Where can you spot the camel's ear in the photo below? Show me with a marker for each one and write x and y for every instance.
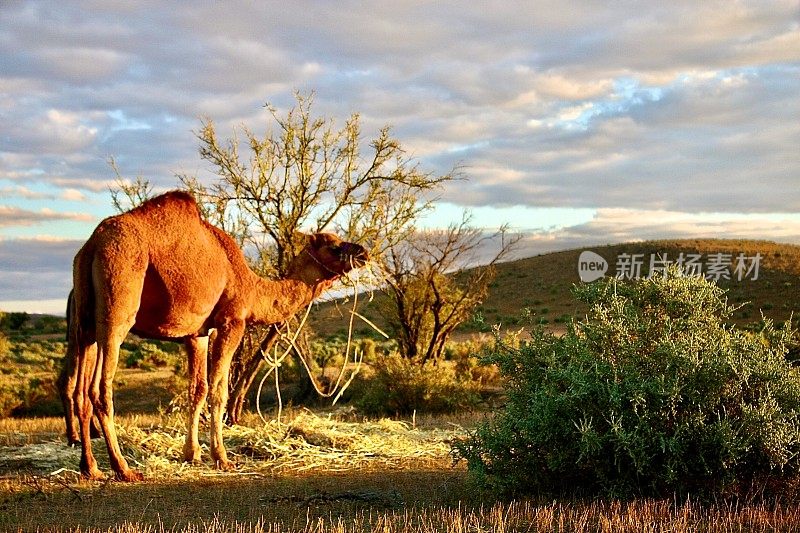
(300, 239)
(318, 240)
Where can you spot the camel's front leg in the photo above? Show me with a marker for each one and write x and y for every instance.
(197, 351)
(223, 347)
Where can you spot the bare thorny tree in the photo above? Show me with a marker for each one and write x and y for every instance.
(435, 280)
(305, 174)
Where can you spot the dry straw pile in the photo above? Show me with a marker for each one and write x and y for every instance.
(302, 441)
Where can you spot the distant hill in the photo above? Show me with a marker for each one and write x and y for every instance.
(543, 283)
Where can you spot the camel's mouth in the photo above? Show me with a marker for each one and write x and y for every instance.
(354, 254)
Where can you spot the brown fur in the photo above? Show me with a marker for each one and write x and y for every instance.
(162, 272)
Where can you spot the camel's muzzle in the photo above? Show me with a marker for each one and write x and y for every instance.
(354, 254)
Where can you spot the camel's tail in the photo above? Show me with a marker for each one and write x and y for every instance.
(82, 297)
(65, 369)
(70, 312)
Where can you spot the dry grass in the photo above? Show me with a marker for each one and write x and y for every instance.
(301, 442)
(352, 511)
(21, 431)
(321, 473)
(328, 463)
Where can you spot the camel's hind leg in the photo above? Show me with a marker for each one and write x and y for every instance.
(197, 350)
(118, 293)
(67, 389)
(103, 398)
(68, 377)
(67, 383)
(86, 360)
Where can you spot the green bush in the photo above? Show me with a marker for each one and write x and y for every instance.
(9, 399)
(368, 349)
(30, 397)
(326, 354)
(652, 393)
(50, 324)
(466, 357)
(13, 321)
(149, 355)
(394, 385)
(5, 347)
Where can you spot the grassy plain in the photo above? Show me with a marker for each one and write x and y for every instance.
(386, 476)
(335, 471)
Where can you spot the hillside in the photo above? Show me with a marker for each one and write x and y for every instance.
(543, 283)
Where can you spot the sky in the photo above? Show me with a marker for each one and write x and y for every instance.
(577, 123)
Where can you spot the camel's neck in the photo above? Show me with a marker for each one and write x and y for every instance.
(276, 300)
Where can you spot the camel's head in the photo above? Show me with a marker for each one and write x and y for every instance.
(333, 256)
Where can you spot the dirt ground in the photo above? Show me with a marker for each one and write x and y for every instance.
(49, 498)
(40, 488)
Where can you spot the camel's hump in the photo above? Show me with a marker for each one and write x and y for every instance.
(172, 200)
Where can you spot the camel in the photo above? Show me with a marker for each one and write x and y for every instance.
(162, 272)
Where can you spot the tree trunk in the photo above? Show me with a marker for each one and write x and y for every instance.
(245, 374)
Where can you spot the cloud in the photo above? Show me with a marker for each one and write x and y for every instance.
(20, 191)
(53, 131)
(612, 226)
(704, 143)
(73, 195)
(15, 216)
(36, 269)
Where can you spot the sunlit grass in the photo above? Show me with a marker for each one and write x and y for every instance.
(331, 472)
(576, 517)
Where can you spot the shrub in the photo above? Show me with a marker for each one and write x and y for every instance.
(50, 324)
(652, 393)
(5, 347)
(330, 352)
(31, 354)
(326, 354)
(9, 399)
(13, 321)
(368, 350)
(30, 397)
(467, 360)
(147, 356)
(396, 385)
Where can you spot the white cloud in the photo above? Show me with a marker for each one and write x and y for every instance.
(15, 216)
(20, 191)
(82, 63)
(557, 86)
(612, 226)
(73, 195)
